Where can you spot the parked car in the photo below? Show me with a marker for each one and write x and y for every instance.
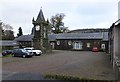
(10, 51)
(95, 49)
(34, 51)
(6, 52)
(22, 53)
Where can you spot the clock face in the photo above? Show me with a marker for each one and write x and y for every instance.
(37, 27)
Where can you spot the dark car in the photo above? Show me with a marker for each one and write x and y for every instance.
(21, 53)
(10, 51)
(6, 52)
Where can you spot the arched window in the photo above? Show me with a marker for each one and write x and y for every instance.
(103, 46)
(58, 42)
(69, 43)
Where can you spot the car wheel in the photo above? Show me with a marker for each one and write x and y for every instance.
(37, 54)
(24, 56)
(3, 54)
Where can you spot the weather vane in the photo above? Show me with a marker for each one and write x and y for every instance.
(41, 7)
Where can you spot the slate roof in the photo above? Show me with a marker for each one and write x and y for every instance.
(105, 36)
(40, 16)
(88, 30)
(52, 37)
(8, 43)
(24, 38)
(79, 36)
(115, 24)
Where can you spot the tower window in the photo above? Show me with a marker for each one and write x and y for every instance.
(44, 32)
(44, 35)
(37, 27)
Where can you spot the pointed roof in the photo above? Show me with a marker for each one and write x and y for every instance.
(47, 20)
(33, 19)
(40, 16)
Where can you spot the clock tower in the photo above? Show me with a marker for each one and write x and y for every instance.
(40, 32)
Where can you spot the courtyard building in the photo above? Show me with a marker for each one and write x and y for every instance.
(8, 44)
(80, 39)
(114, 48)
(71, 41)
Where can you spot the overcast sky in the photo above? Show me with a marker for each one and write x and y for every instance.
(79, 13)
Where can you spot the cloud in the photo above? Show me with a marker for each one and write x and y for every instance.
(79, 13)
(94, 15)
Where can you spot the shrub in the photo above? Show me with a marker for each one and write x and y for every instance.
(67, 78)
(102, 50)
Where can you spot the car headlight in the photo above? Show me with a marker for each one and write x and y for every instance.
(37, 52)
(28, 53)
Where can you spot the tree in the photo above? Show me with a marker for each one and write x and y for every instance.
(0, 30)
(57, 26)
(5, 27)
(20, 33)
(6, 31)
(8, 35)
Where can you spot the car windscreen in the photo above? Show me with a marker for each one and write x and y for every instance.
(23, 50)
(28, 49)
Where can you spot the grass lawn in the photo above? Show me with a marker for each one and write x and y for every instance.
(9, 55)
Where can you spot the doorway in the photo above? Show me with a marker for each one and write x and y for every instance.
(77, 45)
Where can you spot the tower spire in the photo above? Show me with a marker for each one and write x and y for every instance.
(47, 20)
(33, 19)
(40, 16)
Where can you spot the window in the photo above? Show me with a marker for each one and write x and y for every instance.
(44, 35)
(58, 42)
(37, 27)
(88, 45)
(94, 42)
(103, 46)
(69, 43)
(52, 44)
(77, 45)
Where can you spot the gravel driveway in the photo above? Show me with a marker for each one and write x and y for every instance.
(86, 64)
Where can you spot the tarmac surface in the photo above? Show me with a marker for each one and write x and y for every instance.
(83, 64)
